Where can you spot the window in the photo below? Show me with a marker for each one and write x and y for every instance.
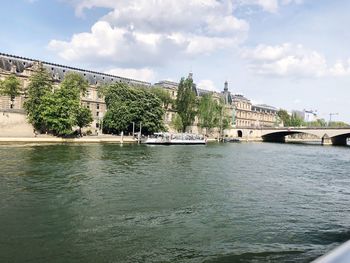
(97, 106)
(97, 125)
(97, 113)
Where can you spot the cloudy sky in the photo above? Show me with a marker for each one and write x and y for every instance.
(293, 54)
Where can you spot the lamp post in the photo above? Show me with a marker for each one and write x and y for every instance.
(139, 140)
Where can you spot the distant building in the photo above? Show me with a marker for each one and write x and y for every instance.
(245, 114)
(306, 115)
(310, 115)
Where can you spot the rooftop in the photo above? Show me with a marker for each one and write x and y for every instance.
(58, 71)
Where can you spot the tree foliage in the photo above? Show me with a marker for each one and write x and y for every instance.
(163, 95)
(209, 112)
(290, 120)
(186, 102)
(40, 86)
(84, 118)
(176, 122)
(10, 87)
(61, 108)
(338, 124)
(127, 105)
(56, 111)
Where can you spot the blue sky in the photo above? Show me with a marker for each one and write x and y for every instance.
(292, 54)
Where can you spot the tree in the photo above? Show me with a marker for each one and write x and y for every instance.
(338, 124)
(209, 112)
(10, 87)
(60, 109)
(40, 85)
(296, 121)
(163, 95)
(284, 117)
(176, 123)
(186, 102)
(84, 118)
(127, 105)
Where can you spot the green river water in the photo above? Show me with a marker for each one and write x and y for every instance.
(248, 202)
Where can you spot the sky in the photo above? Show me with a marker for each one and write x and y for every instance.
(291, 54)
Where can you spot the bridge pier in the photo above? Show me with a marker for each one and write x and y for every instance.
(326, 140)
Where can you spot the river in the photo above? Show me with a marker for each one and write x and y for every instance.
(247, 202)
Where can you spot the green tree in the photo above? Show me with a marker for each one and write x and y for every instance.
(60, 109)
(338, 124)
(284, 117)
(163, 95)
(176, 122)
(210, 112)
(84, 118)
(126, 105)
(40, 86)
(296, 121)
(10, 87)
(186, 102)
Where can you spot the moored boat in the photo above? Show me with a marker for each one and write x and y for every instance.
(231, 140)
(176, 139)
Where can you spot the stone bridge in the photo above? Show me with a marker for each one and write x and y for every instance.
(335, 136)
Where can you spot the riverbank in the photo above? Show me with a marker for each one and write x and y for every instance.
(89, 139)
(86, 139)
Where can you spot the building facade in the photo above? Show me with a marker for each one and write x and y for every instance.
(24, 68)
(240, 109)
(247, 115)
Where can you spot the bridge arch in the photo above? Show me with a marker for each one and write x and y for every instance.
(327, 136)
(340, 139)
(278, 136)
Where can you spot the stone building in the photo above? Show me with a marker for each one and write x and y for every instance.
(171, 88)
(240, 109)
(25, 67)
(245, 114)
(242, 112)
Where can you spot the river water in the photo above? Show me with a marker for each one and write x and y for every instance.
(248, 202)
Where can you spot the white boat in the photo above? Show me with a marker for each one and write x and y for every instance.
(176, 139)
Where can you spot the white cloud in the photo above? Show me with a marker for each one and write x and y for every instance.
(207, 84)
(290, 60)
(271, 6)
(150, 32)
(144, 74)
(340, 69)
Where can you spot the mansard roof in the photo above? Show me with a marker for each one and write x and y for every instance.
(239, 97)
(57, 71)
(167, 84)
(264, 107)
(202, 92)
